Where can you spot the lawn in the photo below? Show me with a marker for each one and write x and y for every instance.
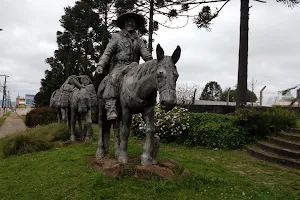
(65, 173)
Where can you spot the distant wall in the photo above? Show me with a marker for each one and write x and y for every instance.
(23, 111)
(222, 109)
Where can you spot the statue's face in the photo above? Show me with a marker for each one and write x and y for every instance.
(130, 24)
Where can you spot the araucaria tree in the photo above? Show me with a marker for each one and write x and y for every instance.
(86, 33)
(212, 91)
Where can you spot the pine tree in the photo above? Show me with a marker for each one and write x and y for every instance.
(80, 45)
(211, 91)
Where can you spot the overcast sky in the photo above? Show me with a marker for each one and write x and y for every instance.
(29, 37)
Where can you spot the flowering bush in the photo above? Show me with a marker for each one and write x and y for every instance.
(170, 126)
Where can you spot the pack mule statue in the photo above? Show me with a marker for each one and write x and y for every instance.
(76, 98)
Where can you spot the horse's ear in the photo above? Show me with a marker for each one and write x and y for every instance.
(159, 53)
(176, 54)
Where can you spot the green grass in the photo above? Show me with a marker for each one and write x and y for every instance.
(65, 173)
(298, 123)
(2, 119)
(7, 114)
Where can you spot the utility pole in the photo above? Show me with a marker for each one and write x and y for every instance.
(228, 96)
(4, 89)
(260, 95)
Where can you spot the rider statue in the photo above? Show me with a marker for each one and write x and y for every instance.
(124, 48)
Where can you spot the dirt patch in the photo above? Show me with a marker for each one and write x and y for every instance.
(165, 169)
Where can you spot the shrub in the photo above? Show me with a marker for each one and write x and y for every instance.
(41, 116)
(281, 119)
(25, 143)
(260, 124)
(215, 131)
(170, 126)
(52, 132)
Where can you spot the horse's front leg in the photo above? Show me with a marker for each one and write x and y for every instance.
(100, 147)
(116, 127)
(73, 122)
(59, 115)
(63, 114)
(147, 156)
(68, 115)
(88, 122)
(126, 122)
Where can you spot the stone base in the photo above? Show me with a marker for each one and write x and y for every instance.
(166, 169)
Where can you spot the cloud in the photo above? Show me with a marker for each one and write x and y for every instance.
(29, 37)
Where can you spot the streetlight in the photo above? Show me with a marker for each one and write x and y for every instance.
(1, 29)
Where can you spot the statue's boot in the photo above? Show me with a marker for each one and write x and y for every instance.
(110, 106)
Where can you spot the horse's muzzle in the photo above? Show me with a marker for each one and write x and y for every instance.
(166, 105)
(167, 99)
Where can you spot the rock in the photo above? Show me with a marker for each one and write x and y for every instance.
(109, 167)
(171, 164)
(149, 171)
(167, 169)
(185, 173)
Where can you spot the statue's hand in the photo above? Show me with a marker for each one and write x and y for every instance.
(99, 69)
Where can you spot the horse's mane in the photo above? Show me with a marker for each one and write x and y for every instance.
(143, 69)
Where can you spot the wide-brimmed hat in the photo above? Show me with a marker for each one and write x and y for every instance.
(139, 19)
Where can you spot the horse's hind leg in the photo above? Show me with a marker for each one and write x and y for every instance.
(73, 122)
(116, 127)
(126, 119)
(89, 130)
(81, 133)
(106, 136)
(147, 156)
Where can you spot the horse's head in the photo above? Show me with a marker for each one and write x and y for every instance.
(167, 76)
(84, 101)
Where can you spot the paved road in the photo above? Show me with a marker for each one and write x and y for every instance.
(12, 124)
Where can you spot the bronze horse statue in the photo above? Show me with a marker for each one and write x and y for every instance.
(138, 94)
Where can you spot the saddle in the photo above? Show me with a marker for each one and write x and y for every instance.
(125, 70)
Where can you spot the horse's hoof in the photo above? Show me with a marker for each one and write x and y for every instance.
(88, 139)
(146, 160)
(123, 160)
(99, 154)
(154, 162)
(72, 138)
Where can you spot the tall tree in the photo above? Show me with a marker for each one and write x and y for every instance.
(80, 45)
(170, 9)
(211, 91)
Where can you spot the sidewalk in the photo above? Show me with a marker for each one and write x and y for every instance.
(12, 124)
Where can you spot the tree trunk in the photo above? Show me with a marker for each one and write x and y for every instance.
(241, 100)
(151, 25)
